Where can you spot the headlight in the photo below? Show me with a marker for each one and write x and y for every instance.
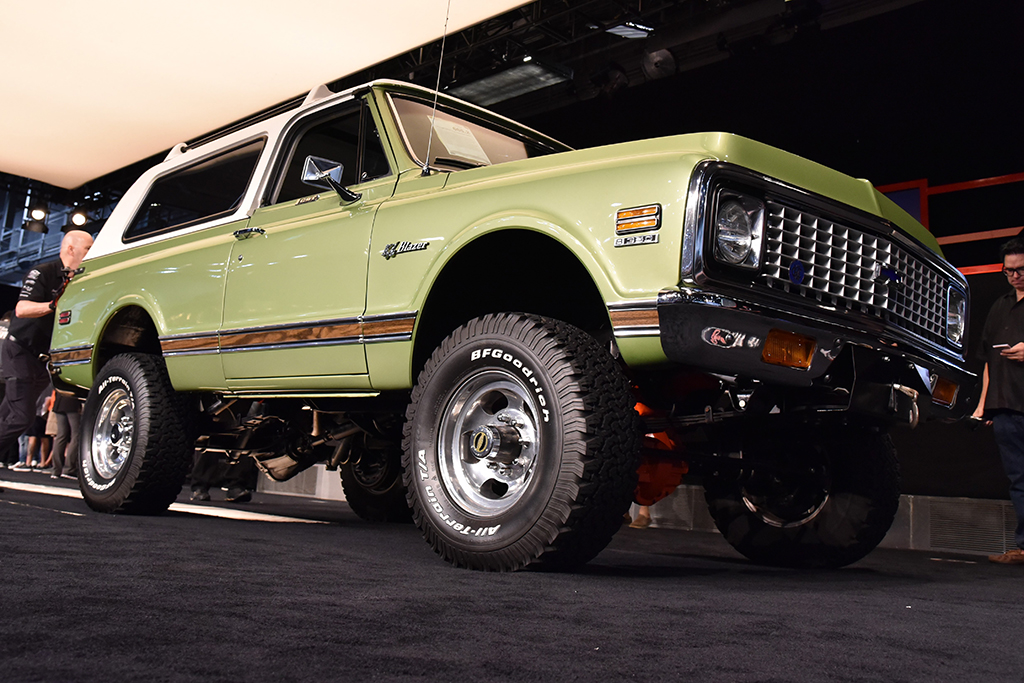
(738, 229)
(956, 316)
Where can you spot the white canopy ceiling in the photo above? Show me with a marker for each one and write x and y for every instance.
(87, 87)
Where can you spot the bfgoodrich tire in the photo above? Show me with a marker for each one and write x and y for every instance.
(520, 445)
(826, 499)
(136, 444)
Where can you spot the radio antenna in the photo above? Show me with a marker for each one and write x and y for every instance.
(437, 86)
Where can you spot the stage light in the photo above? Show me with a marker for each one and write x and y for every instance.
(78, 218)
(633, 30)
(527, 76)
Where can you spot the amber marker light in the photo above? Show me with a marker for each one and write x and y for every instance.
(640, 218)
(788, 349)
(945, 392)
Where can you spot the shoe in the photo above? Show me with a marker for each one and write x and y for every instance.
(641, 522)
(200, 494)
(64, 475)
(54, 476)
(1015, 556)
(21, 467)
(238, 496)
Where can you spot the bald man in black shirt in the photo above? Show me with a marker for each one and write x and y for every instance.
(24, 370)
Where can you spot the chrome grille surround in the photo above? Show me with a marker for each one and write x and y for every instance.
(843, 269)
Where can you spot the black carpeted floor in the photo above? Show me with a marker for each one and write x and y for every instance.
(182, 597)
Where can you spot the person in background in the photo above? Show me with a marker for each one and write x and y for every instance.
(66, 410)
(39, 441)
(9, 457)
(1002, 389)
(211, 470)
(28, 339)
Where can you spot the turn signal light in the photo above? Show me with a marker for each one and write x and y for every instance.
(788, 349)
(945, 392)
(641, 218)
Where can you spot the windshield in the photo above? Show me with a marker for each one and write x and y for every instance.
(460, 141)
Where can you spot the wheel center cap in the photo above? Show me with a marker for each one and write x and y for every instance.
(500, 444)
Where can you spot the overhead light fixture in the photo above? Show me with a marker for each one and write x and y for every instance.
(658, 64)
(527, 76)
(77, 219)
(631, 29)
(611, 80)
(38, 212)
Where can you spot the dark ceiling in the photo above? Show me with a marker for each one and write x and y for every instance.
(892, 90)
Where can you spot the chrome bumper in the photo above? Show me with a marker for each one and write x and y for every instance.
(874, 373)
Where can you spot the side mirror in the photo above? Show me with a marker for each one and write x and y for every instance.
(318, 172)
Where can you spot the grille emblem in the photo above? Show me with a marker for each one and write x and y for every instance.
(887, 276)
(797, 272)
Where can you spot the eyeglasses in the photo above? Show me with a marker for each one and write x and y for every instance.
(1013, 272)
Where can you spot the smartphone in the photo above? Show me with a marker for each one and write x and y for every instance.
(1000, 346)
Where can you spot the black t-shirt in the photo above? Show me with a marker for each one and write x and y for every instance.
(41, 284)
(1004, 325)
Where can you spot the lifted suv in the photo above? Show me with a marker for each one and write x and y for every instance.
(494, 334)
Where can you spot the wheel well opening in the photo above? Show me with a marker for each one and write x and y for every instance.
(130, 329)
(510, 270)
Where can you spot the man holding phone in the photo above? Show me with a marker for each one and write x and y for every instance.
(1002, 388)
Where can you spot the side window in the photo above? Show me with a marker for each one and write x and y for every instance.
(348, 136)
(207, 190)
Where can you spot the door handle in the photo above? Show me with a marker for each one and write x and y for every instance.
(248, 232)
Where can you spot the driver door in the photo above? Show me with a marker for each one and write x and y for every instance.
(296, 281)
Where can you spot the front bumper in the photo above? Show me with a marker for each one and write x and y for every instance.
(871, 374)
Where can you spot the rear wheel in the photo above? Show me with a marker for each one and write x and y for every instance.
(820, 500)
(373, 486)
(520, 445)
(136, 449)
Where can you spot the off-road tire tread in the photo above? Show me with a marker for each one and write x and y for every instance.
(390, 506)
(598, 475)
(864, 463)
(165, 435)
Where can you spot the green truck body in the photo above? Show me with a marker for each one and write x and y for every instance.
(325, 305)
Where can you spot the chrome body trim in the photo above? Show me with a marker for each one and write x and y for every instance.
(373, 329)
(635, 318)
(71, 355)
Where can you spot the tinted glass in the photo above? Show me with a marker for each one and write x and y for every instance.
(204, 191)
(338, 139)
(460, 141)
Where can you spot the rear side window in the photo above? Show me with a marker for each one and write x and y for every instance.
(207, 190)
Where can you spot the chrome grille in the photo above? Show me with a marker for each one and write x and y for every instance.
(842, 268)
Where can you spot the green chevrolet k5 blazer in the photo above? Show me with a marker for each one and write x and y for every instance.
(509, 341)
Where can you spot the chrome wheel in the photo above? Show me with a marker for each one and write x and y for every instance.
(822, 496)
(489, 443)
(783, 505)
(113, 434)
(520, 445)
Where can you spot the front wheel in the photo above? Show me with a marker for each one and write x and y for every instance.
(520, 445)
(817, 498)
(135, 450)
